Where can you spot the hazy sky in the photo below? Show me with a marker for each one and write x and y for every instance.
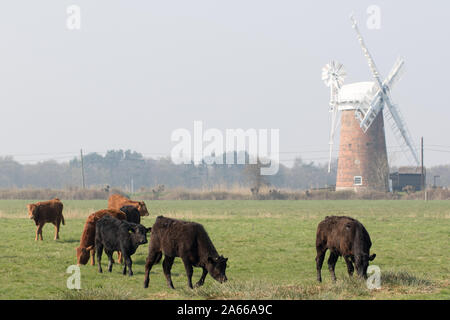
(137, 70)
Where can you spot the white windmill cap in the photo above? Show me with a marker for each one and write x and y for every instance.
(353, 94)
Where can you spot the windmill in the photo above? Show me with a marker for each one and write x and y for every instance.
(362, 162)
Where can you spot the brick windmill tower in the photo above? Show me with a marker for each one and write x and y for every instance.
(362, 160)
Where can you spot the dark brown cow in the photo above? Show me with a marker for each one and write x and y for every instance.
(347, 237)
(117, 201)
(190, 242)
(87, 241)
(46, 211)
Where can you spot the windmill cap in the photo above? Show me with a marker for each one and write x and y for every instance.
(356, 92)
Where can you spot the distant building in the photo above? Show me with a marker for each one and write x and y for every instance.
(407, 176)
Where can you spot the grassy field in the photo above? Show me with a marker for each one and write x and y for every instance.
(270, 246)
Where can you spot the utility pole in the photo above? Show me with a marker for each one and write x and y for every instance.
(422, 169)
(82, 169)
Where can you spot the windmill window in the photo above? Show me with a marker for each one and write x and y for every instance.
(357, 180)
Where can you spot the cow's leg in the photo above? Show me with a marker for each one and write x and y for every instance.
(37, 233)
(127, 263)
(167, 266)
(189, 271)
(130, 263)
(119, 257)
(41, 227)
(150, 261)
(319, 262)
(92, 257)
(202, 278)
(349, 263)
(110, 259)
(332, 263)
(99, 249)
(57, 229)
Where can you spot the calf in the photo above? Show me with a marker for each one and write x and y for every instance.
(113, 235)
(117, 201)
(347, 237)
(190, 242)
(86, 248)
(132, 214)
(47, 211)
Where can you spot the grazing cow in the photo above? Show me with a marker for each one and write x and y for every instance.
(190, 242)
(347, 237)
(47, 211)
(87, 241)
(112, 235)
(117, 201)
(132, 213)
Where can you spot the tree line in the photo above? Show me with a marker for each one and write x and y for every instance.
(128, 169)
(131, 170)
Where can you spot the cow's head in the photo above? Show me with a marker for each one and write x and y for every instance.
(216, 268)
(362, 263)
(142, 209)
(138, 233)
(83, 254)
(33, 211)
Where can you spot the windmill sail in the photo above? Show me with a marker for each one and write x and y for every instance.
(395, 74)
(333, 74)
(368, 111)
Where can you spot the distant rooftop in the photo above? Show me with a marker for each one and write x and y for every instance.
(410, 170)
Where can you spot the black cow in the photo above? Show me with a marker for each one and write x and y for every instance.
(190, 242)
(132, 213)
(346, 237)
(118, 235)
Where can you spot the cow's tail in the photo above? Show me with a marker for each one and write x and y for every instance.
(62, 220)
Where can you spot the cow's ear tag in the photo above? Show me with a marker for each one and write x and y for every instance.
(130, 231)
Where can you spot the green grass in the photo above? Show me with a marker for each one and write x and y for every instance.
(270, 246)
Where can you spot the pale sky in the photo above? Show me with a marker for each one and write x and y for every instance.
(138, 70)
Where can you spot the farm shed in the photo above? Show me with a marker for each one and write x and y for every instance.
(407, 176)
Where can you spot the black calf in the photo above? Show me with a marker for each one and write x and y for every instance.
(118, 235)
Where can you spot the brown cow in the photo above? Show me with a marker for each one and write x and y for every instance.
(46, 211)
(87, 241)
(190, 242)
(117, 201)
(346, 237)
